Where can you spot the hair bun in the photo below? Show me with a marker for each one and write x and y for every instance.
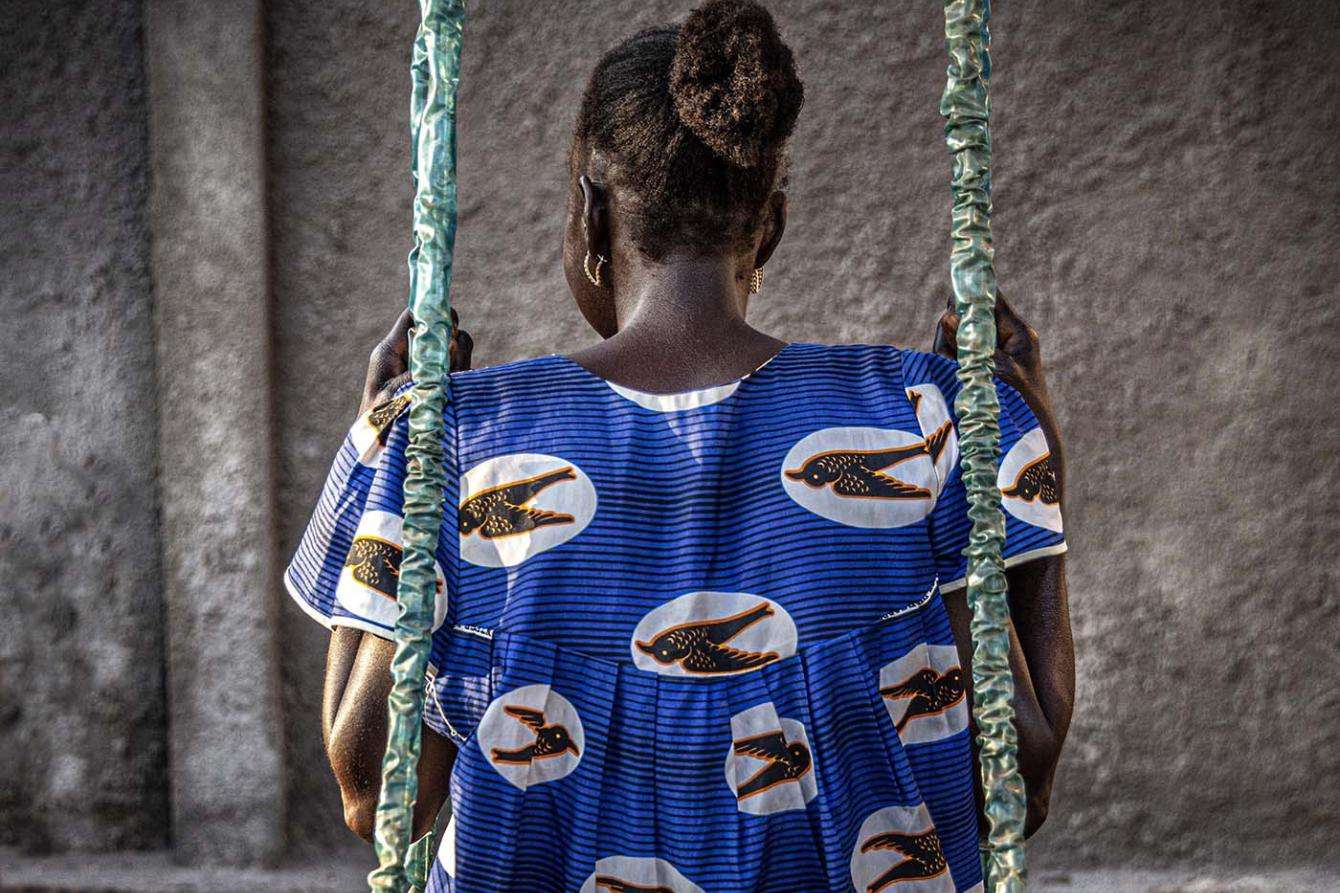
(734, 81)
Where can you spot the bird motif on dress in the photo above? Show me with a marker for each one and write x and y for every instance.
(383, 414)
(785, 762)
(922, 857)
(502, 510)
(1036, 480)
(699, 646)
(375, 563)
(617, 885)
(929, 693)
(551, 739)
(859, 474)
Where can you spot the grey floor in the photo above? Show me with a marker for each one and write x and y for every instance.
(154, 873)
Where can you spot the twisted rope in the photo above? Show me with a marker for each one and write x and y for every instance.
(436, 74)
(966, 108)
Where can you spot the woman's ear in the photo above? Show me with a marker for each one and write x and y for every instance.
(774, 225)
(587, 262)
(595, 217)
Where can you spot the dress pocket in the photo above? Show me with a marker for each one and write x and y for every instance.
(884, 729)
(918, 695)
(460, 683)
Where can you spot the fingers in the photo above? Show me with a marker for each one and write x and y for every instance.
(1012, 334)
(1007, 320)
(1015, 335)
(388, 366)
(1006, 366)
(1005, 311)
(1017, 355)
(946, 335)
(1007, 328)
(462, 346)
(388, 359)
(397, 339)
(1004, 307)
(391, 356)
(402, 324)
(943, 342)
(395, 384)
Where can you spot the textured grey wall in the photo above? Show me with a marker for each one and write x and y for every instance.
(212, 309)
(1166, 186)
(1167, 214)
(81, 642)
(338, 205)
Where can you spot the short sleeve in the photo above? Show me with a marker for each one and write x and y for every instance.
(1027, 479)
(347, 565)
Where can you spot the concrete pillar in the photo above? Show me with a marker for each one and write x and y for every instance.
(82, 733)
(216, 440)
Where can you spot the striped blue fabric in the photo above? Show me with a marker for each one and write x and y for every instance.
(692, 642)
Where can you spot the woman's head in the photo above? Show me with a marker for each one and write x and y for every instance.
(680, 144)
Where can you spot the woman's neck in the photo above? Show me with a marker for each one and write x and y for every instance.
(681, 326)
(678, 293)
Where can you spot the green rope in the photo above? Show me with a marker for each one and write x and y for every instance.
(419, 862)
(436, 75)
(966, 108)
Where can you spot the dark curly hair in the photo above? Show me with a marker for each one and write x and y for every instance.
(690, 124)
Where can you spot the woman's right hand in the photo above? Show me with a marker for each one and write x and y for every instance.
(388, 366)
(1018, 351)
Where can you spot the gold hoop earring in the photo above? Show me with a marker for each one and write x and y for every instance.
(756, 281)
(586, 267)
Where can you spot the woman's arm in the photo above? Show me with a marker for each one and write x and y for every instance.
(358, 664)
(356, 735)
(1042, 651)
(1042, 659)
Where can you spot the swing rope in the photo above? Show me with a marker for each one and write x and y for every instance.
(966, 108)
(436, 74)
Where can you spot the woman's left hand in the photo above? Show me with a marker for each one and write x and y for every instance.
(388, 364)
(1018, 351)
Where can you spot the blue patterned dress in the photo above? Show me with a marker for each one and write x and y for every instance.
(692, 643)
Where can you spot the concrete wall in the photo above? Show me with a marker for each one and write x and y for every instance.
(1166, 193)
(81, 642)
(212, 309)
(339, 200)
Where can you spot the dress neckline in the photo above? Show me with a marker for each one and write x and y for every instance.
(675, 401)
